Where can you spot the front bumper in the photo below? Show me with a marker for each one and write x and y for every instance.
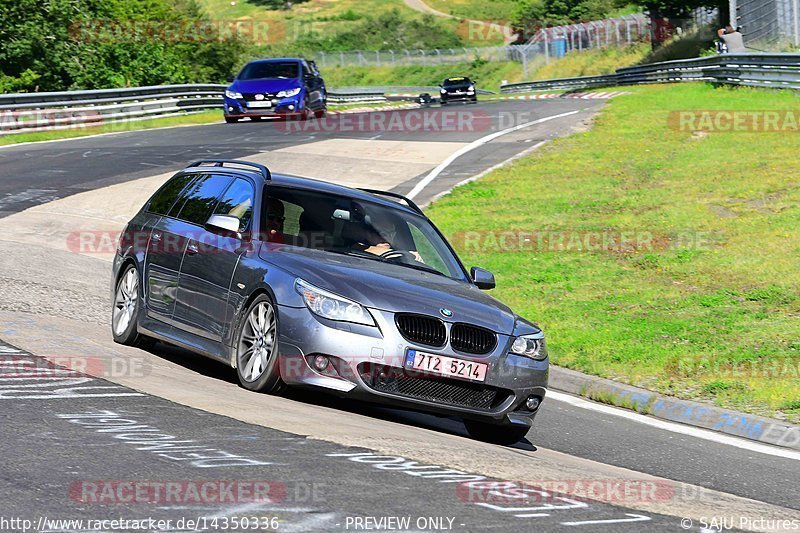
(463, 97)
(283, 107)
(365, 360)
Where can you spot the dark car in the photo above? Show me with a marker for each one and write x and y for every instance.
(276, 88)
(300, 282)
(457, 90)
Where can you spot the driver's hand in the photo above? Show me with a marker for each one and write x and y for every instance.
(417, 256)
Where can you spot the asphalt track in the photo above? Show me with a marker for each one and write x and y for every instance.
(184, 396)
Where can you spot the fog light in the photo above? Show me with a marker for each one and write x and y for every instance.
(321, 362)
(291, 107)
(532, 403)
(230, 108)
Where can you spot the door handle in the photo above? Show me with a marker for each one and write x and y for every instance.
(156, 237)
(191, 249)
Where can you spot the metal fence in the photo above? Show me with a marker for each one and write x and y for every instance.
(69, 109)
(417, 57)
(547, 42)
(768, 24)
(776, 71)
(560, 40)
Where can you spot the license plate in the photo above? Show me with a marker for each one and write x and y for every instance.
(445, 366)
(265, 103)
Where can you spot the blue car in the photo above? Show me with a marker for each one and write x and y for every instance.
(276, 88)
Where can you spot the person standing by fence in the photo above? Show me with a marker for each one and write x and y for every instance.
(733, 39)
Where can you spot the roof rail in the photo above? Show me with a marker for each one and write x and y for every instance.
(221, 163)
(411, 204)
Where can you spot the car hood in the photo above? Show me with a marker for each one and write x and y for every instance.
(394, 288)
(264, 86)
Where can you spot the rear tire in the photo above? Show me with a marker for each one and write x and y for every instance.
(505, 435)
(257, 364)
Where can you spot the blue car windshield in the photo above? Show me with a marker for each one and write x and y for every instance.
(270, 69)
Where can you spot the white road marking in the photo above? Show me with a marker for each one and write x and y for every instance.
(675, 427)
(634, 518)
(419, 187)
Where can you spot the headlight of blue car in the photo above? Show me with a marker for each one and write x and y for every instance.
(530, 346)
(331, 306)
(288, 93)
(233, 94)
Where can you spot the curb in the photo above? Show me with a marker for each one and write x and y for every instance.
(753, 427)
(600, 95)
(368, 109)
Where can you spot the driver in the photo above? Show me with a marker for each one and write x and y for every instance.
(275, 218)
(380, 238)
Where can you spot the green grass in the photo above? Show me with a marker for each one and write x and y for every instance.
(497, 10)
(593, 62)
(325, 17)
(205, 117)
(710, 310)
(322, 11)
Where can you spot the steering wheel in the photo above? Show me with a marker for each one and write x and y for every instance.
(390, 255)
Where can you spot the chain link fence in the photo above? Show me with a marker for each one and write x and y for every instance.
(547, 43)
(768, 25)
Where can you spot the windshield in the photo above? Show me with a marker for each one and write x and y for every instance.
(456, 81)
(270, 69)
(342, 225)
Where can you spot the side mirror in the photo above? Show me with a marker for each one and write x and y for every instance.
(224, 224)
(483, 279)
(229, 79)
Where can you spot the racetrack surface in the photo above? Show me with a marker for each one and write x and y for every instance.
(54, 303)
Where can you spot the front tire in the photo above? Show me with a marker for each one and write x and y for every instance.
(257, 364)
(231, 120)
(126, 308)
(505, 435)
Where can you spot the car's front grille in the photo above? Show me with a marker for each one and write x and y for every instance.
(433, 389)
(250, 97)
(421, 329)
(472, 339)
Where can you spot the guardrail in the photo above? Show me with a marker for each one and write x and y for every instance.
(69, 109)
(776, 71)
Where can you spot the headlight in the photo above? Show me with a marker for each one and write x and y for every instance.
(232, 94)
(530, 346)
(443, 91)
(331, 306)
(471, 89)
(288, 93)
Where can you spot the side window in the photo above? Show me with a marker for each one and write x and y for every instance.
(306, 70)
(203, 198)
(162, 201)
(237, 201)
